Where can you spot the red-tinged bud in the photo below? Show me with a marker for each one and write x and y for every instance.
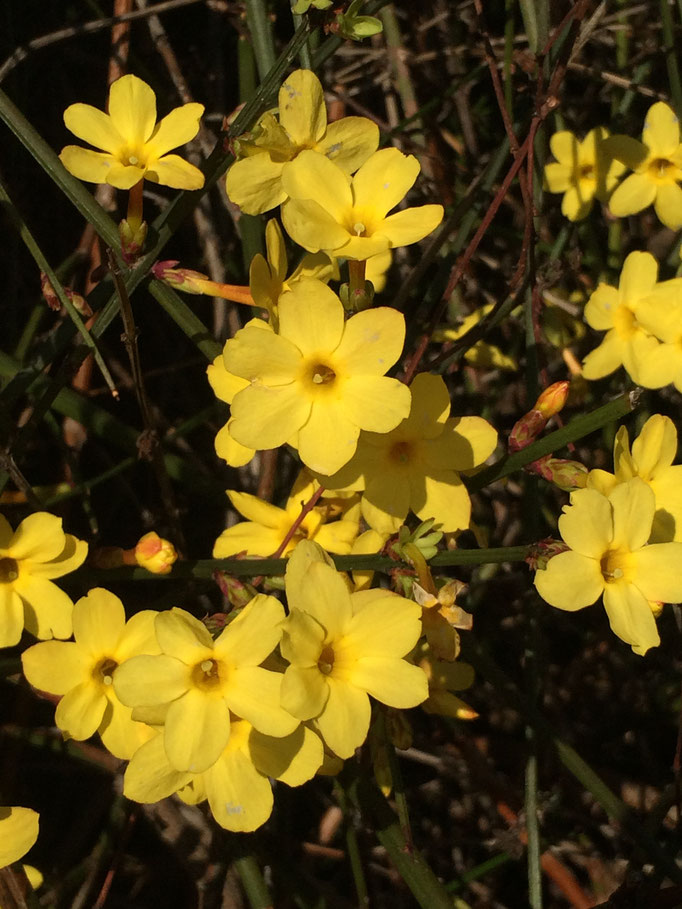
(526, 430)
(237, 592)
(552, 399)
(132, 240)
(107, 557)
(155, 554)
(80, 303)
(193, 282)
(216, 623)
(541, 552)
(565, 474)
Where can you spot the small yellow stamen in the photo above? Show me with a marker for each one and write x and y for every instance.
(9, 571)
(359, 229)
(326, 661)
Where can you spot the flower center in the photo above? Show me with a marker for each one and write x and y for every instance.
(133, 158)
(9, 571)
(662, 170)
(401, 452)
(325, 662)
(586, 172)
(104, 671)
(206, 675)
(321, 374)
(614, 566)
(359, 229)
(624, 322)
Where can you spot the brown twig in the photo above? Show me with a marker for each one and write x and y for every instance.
(305, 509)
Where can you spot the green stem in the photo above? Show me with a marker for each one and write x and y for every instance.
(352, 847)
(305, 55)
(252, 880)
(671, 50)
(260, 27)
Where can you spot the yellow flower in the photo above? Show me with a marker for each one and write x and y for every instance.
(320, 380)
(415, 467)
(614, 310)
(660, 313)
(651, 459)
(657, 165)
(237, 785)
(36, 552)
(18, 832)
(482, 354)
(155, 554)
(135, 145)
(582, 171)
(350, 218)
(82, 671)
(254, 183)
(268, 525)
(608, 555)
(343, 647)
(268, 278)
(202, 681)
(444, 678)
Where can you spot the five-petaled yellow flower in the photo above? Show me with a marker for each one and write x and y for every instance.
(608, 555)
(350, 218)
(657, 165)
(343, 647)
(134, 145)
(320, 380)
(254, 183)
(37, 551)
(651, 459)
(414, 467)
(583, 171)
(614, 310)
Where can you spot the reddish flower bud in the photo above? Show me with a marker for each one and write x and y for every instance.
(155, 554)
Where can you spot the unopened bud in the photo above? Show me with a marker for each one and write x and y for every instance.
(553, 399)
(194, 282)
(80, 303)
(565, 474)
(541, 552)
(531, 424)
(238, 593)
(155, 554)
(132, 240)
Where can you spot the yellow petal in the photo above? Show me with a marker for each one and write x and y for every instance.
(230, 449)
(383, 181)
(324, 596)
(267, 417)
(564, 146)
(98, 622)
(656, 446)
(132, 108)
(638, 276)
(586, 525)
(255, 184)
(276, 250)
(387, 626)
(255, 509)
(630, 617)
(571, 581)
(253, 634)
(146, 681)
(248, 537)
(149, 777)
(375, 403)
(39, 538)
(372, 341)
(410, 225)
(304, 691)
(668, 205)
(18, 832)
(301, 107)
(635, 193)
(225, 384)
(54, 666)
(94, 127)
(465, 443)
(349, 142)
(328, 438)
(71, 557)
(392, 682)
(11, 616)
(430, 406)
(311, 316)
(177, 128)
(577, 201)
(80, 711)
(174, 171)
(196, 732)
(265, 356)
(604, 359)
(239, 796)
(312, 227)
(601, 307)
(183, 636)
(345, 719)
(47, 609)
(628, 151)
(633, 506)
(658, 572)
(293, 759)
(312, 176)
(125, 176)
(255, 695)
(442, 496)
(661, 131)
(558, 177)
(386, 501)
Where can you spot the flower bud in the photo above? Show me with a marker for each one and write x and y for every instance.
(552, 399)
(531, 424)
(565, 474)
(132, 240)
(155, 554)
(80, 303)
(541, 552)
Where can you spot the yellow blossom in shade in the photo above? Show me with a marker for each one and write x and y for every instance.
(82, 671)
(155, 554)
(135, 146)
(482, 354)
(376, 269)
(415, 467)
(651, 459)
(18, 832)
(37, 551)
(441, 617)
(254, 183)
(225, 386)
(582, 171)
(444, 678)
(614, 310)
(320, 380)
(660, 313)
(350, 217)
(657, 165)
(343, 647)
(268, 277)
(608, 555)
(202, 680)
(237, 785)
(268, 525)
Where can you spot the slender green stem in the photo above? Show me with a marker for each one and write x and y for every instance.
(260, 27)
(305, 55)
(535, 14)
(352, 847)
(252, 880)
